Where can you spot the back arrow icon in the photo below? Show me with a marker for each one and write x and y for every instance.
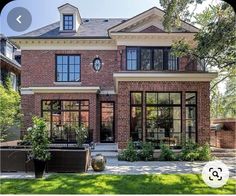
(18, 19)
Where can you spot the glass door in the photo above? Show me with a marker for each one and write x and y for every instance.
(107, 122)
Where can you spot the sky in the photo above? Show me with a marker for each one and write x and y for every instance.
(45, 12)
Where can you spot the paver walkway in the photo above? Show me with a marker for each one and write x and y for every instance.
(153, 167)
(160, 167)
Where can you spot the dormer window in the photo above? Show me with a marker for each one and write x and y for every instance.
(70, 19)
(67, 22)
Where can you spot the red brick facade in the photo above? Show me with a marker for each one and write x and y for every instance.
(226, 137)
(43, 62)
(203, 106)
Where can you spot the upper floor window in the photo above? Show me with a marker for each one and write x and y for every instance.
(151, 58)
(68, 68)
(67, 22)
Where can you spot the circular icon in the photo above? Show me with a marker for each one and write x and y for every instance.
(215, 174)
(19, 19)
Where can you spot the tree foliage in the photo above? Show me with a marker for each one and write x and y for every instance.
(9, 109)
(214, 48)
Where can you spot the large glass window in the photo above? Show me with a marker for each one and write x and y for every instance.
(191, 115)
(163, 118)
(67, 22)
(67, 68)
(151, 58)
(63, 116)
(136, 117)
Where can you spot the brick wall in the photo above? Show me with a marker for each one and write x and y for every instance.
(226, 137)
(203, 106)
(38, 67)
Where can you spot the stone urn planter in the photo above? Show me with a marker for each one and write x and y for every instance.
(99, 162)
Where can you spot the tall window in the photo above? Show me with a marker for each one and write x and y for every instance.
(63, 116)
(163, 118)
(132, 59)
(67, 22)
(67, 68)
(136, 117)
(191, 115)
(151, 58)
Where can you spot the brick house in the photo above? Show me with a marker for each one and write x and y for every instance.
(115, 76)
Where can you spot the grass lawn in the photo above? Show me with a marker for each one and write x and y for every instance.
(114, 184)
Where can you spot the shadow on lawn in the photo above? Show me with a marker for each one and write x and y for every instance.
(114, 184)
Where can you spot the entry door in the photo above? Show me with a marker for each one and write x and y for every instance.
(107, 122)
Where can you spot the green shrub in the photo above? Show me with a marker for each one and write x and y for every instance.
(146, 152)
(129, 154)
(205, 153)
(193, 152)
(166, 153)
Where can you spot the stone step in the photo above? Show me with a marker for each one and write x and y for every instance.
(225, 150)
(106, 154)
(222, 154)
(106, 147)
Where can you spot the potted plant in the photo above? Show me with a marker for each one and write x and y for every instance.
(38, 138)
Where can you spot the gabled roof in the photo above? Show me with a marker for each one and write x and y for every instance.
(102, 27)
(154, 12)
(67, 4)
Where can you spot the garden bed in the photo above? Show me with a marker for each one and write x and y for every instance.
(63, 159)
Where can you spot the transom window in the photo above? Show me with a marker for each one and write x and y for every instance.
(151, 58)
(67, 68)
(67, 22)
(62, 116)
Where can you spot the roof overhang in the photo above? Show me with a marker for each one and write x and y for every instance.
(84, 89)
(160, 76)
(151, 39)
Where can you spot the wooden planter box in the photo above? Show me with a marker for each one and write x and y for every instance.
(62, 160)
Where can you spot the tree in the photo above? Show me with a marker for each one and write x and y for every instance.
(215, 44)
(9, 109)
(229, 98)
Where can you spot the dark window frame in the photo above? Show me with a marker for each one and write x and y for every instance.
(68, 67)
(180, 105)
(70, 27)
(136, 105)
(51, 110)
(196, 113)
(165, 58)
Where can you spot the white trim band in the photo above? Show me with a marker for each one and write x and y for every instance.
(131, 76)
(32, 90)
